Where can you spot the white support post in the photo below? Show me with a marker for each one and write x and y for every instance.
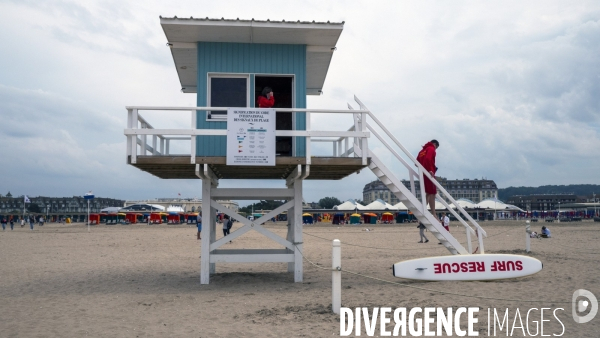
(193, 144)
(298, 271)
(207, 232)
(144, 140)
(290, 235)
(162, 146)
(168, 145)
(334, 149)
(480, 239)
(134, 125)
(129, 138)
(527, 236)
(469, 247)
(213, 234)
(340, 152)
(346, 147)
(307, 139)
(364, 145)
(154, 144)
(336, 276)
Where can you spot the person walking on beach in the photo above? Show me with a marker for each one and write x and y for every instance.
(199, 224)
(12, 223)
(426, 158)
(422, 233)
(22, 222)
(3, 223)
(31, 222)
(446, 221)
(41, 221)
(225, 230)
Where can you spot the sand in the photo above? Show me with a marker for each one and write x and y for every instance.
(143, 281)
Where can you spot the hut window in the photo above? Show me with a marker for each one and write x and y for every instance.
(227, 91)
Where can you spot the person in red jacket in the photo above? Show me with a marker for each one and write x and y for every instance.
(427, 159)
(266, 100)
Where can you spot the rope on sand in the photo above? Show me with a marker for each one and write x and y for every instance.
(363, 246)
(431, 290)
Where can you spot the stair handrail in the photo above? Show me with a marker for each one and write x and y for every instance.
(422, 169)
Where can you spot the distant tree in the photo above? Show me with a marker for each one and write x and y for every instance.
(34, 208)
(329, 202)
(577, 189)
(262, 205)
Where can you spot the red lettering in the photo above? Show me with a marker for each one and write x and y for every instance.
(494, 267)
(455, 267)
(446, 266)
(510, 266)
(519, 265)
(437, 268)
(463, 267)
(501, 266)
(480, 267)
(472, 267)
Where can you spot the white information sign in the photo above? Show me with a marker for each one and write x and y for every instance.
(251, 136)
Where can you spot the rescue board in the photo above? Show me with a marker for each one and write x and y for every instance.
(467, 267)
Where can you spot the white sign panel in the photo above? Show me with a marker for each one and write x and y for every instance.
(251, 136)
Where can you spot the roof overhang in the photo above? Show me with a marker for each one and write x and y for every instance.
(319, 37)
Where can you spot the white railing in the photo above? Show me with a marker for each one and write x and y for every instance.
(420, 172)
(138, 130)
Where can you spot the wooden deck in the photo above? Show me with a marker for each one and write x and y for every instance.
(179, 167)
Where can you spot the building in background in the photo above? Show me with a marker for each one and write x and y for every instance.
(542, 202)
(188, 204)
(475, 190)
(377, 190)
(55, 205)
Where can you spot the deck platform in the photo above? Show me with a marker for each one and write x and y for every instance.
(180, 167)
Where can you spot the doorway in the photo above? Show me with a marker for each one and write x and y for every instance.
(284, 98)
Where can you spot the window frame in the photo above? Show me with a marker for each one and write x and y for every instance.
(209, 76)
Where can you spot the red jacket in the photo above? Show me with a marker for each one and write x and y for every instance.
(427, 157)
(263, 102)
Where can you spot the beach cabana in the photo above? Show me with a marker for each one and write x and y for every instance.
(155, 218)
(173, 218)
(94, 219)
(191, 218)
(132, 217)
(355, 219)
(387, 217)
(338, 219)
(111, 218)
(307, 218)
(369, 218)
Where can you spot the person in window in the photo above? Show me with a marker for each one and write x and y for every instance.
(266, 100)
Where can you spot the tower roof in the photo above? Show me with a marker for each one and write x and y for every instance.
(319, 37)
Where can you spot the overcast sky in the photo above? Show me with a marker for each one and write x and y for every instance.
(509, 88)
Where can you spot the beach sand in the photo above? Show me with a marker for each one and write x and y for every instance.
(143, 281)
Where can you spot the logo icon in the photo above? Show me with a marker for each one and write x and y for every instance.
(581, 306)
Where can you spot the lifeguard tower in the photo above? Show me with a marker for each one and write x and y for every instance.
(227, 63)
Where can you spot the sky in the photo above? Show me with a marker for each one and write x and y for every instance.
(510, 89)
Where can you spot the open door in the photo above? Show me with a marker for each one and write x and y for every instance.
(284, 98)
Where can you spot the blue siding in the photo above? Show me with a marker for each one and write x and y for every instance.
(245, 58)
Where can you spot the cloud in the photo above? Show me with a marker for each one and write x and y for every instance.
(508, 88)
